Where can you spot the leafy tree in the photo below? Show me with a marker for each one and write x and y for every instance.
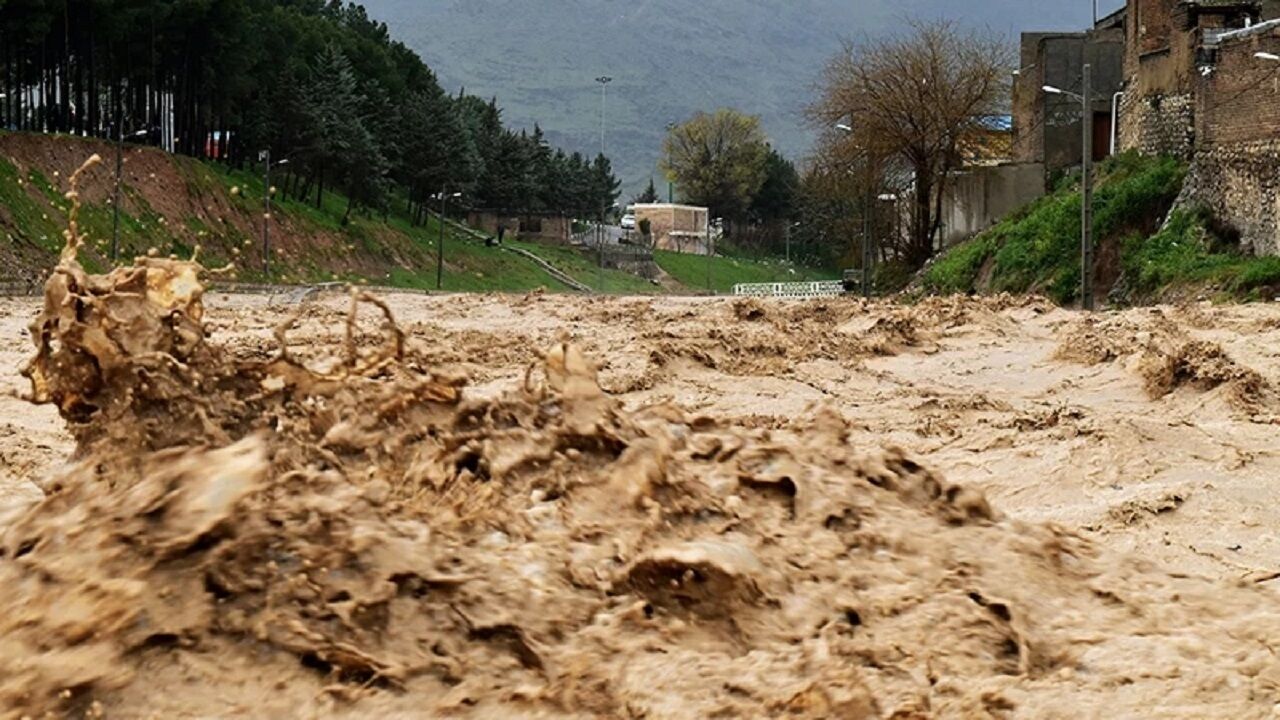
(776, 199)
(718, 159)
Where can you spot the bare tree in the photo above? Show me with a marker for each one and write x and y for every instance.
(911, 100)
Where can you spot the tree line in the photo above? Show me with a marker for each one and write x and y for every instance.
(316, 82)
(896, 117)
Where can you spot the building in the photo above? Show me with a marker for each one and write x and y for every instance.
(989, 184)
(679, 228)
(1197, 90)
(543, 227)
(1046, 127)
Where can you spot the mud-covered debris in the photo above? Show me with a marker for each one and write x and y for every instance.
(289, 528)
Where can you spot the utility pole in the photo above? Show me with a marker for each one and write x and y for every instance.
(440, 246)
(266, 213)
(265, 157)
(1086, 195)
(710, 291)
(868, 254)
(1086, 181)
(115, 203)
(604, 81)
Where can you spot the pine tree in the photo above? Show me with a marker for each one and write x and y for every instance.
(650, 194)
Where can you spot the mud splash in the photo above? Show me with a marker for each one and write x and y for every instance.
(1166, 358)
(379, 542)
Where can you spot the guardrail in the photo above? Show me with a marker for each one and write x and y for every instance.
(818, 288)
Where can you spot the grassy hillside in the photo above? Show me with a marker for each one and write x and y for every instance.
(1038, 248)
(173, 204)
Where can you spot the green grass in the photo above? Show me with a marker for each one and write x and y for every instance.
(584, 267)
(32, 220)
(1038, 249)
(1184, 253)
(693, 271)
(370, 247)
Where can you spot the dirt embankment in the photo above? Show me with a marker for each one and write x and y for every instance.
(173, 204)
(330, 513)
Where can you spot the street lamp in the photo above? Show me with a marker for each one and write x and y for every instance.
(1086, 185)
(671, 188)
(1272, 57)
(265, 156)
(444, 198)
(604, 81)
(867, 254)
(115, 203)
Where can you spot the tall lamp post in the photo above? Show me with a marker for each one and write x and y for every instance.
(671, 187)
(868, 253)
(444, 198)
(265, 157)
(115, 202)
(1086, 184)
(604, 81)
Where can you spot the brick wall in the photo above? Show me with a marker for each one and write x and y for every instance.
(1153, 23)
(1239, 99)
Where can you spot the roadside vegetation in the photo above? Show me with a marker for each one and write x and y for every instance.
(693, 271)
(1141, 256)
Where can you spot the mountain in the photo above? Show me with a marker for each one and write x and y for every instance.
(668, 58)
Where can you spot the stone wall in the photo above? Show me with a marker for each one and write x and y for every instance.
(1240, 184)
(1158, 124)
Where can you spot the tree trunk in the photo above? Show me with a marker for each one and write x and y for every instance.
(922, 227)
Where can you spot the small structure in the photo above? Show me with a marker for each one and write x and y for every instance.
(1047, 126)
(988, 185)
(679, 228)
(543, 227)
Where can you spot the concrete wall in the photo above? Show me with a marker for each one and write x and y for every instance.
(979, 198)
(1047, 127)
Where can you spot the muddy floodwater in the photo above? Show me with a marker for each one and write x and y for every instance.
(552, 506)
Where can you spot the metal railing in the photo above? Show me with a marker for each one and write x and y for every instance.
(817, 288)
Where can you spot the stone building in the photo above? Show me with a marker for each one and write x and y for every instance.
(1047, 127)
(1196, 90)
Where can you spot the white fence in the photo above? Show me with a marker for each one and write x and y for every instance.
(821, 288)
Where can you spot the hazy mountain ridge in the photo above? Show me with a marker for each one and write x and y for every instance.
(668, 58)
